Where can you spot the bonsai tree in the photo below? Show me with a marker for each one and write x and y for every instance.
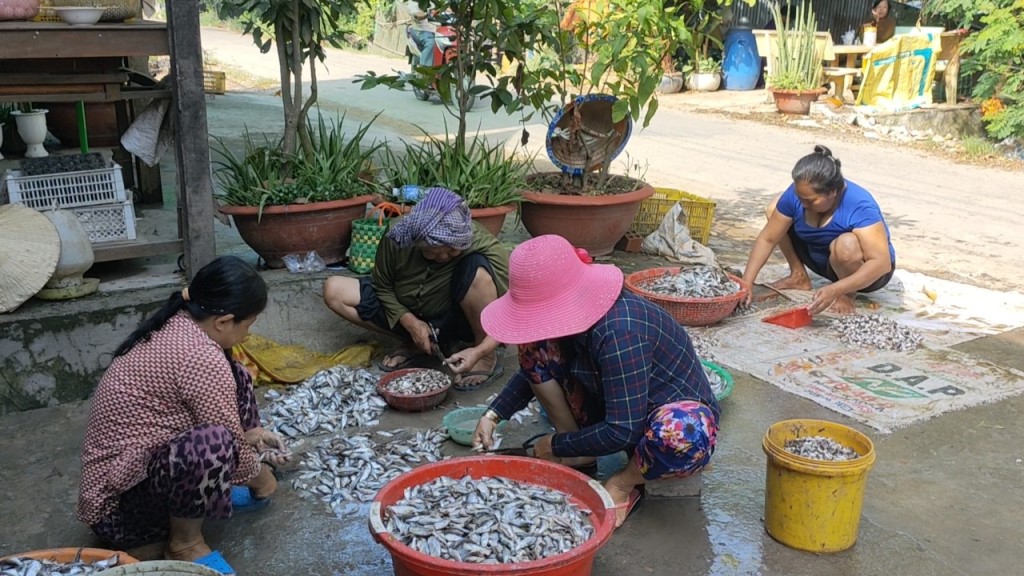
(298, 29)
(797, 63)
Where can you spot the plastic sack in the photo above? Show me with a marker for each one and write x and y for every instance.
(297, 264)
(672, 241)
(898, 74)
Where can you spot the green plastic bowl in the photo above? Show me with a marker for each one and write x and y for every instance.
(726, 377)
(461, 423)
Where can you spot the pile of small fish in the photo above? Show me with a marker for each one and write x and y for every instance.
(353, 468)
(327, 402)
(820, 448)
(703, 345)
(693, 282)
(488, 520)
(876, 332)
(30, 567)
(715, 379)
(419, 382)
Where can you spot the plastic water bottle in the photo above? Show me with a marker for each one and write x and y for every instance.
(409, 193)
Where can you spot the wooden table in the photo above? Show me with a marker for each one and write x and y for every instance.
(54, 62)
(844, 67)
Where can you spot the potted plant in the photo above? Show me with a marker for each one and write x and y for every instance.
(296, 203)
(487, 176)
(796, 81)
(703, 73)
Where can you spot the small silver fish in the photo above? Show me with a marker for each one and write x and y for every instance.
(31, 567)
(693, 282)
(820, 448)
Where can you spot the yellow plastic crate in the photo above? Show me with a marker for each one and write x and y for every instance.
(214, 82)
(700, 212)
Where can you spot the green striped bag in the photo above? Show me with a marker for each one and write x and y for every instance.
(366, 235)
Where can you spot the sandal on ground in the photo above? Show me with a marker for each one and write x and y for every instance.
(493, 375)
(242, 500)
(411, 358)
(636, 497)
(215, 561)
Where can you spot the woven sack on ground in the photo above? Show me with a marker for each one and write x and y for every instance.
(366, 235)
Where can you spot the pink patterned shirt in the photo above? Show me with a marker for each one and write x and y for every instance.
(177, 380)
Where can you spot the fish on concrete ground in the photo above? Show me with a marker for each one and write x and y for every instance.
(329, 401)
(874, 331)
(353, 468)
(30, 567)
(531, 412)
(693, 282)
(820, 448)
(703, 344)
(489, 520)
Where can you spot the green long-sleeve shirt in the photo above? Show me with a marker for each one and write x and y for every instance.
(405, 281)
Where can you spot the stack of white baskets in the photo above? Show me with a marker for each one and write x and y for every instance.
(97, 197)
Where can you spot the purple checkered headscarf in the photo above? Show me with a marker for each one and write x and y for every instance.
(441, 218)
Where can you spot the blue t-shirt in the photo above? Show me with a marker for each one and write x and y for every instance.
(857, 209)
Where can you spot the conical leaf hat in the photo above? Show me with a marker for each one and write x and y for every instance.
(29, 249)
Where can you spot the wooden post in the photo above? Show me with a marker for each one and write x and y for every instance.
(195, 185)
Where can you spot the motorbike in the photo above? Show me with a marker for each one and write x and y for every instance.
(445, 48)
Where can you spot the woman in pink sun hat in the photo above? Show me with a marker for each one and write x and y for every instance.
(613, 371)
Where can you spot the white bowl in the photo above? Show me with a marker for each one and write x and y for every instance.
(80, 16)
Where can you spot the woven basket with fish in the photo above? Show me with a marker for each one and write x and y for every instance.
(688, 311)
(583, 137)
(413, 401)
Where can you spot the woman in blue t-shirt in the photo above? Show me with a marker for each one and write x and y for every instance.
(832, 226)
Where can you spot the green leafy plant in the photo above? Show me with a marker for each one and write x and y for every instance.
(264, 175)
(797, 63)
(299, 29)
(484, 175)
(702, 66)
(702, 21)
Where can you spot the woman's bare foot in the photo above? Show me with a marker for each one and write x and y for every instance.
(793, 282)
(398, 357)
(620, 495)
(186, 551)
(845, 304)
(483, 367)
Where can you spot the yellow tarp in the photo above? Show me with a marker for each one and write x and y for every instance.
(273, 363)
(898, 74)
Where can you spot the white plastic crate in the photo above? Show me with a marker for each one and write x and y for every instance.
(108, 222)
(67, 189)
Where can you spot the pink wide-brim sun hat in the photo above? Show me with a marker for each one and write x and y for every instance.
(552, 293)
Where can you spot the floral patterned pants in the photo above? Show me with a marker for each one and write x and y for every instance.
(679, 440)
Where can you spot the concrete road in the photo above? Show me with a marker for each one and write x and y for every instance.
(960, 222)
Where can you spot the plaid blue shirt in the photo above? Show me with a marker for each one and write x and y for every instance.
(633, 360)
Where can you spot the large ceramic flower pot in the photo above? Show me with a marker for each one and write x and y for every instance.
(795, 101)
(595, 223)
(323, 227)
(704, 82)
(493, 219)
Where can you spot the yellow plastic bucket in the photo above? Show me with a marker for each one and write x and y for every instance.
(814, 505)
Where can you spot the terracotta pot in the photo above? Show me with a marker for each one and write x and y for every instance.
(324, 227)
(492, 218)
(795, 101)
(595, 223)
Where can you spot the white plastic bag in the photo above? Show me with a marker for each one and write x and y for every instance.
(312, 262)
(672, 241)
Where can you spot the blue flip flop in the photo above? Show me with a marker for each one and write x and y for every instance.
(215, 561)
(242, 500)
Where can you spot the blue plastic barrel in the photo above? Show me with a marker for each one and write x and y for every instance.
(741, 66)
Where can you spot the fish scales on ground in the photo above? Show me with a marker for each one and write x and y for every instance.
(692, 282)
(820, 448)
(31, 567)
(419, 382)
(329, 401)
(873, 331)
(353, 468)
(489, 520)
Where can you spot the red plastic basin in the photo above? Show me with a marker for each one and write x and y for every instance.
(582, 491)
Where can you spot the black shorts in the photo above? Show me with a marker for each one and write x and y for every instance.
(452, 326)
(804, 253)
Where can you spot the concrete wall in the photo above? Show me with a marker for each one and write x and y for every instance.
(51, 353)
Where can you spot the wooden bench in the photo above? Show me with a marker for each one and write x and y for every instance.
(842, 77)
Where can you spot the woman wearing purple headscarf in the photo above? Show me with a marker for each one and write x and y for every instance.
(436, 269)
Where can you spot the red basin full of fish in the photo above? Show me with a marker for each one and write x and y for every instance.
(581, 490)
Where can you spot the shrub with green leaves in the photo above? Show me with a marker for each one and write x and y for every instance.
(485, 175)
